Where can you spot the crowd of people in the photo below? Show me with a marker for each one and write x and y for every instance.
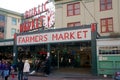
(23, 68)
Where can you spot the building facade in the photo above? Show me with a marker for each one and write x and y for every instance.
(105, 13)
(9, 23)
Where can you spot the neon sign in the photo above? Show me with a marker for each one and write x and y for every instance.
(37, 17)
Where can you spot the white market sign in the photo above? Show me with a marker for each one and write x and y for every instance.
(53, 37)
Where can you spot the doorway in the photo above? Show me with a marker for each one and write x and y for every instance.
(74, 56)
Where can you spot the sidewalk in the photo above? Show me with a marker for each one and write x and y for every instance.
(64, 76)
(69, 76)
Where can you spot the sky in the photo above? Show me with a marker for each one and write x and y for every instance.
(20, 5)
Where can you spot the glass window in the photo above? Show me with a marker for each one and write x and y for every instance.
(73, 24)
(14, 21)
(106, 25)
(13, 31)
(73, 9)
(105, 5)
(2, 18)
(109, 50)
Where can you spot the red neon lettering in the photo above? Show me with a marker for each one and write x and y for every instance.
(36, 20)
(84, 32)
(26, 14)
(25, 26)
(19, 39)
(29, 24)
(23, 40)
(66, 35)
(54, 36)
(39, 22)
(21, 27)
(36, 38)
(33, 24)
(72, 35)
(79, 34)
(60, 37)
(31, 38)
(40, 38)
(27, 39)
(45, 37)
(35, 12)
(38, 12)
(44, 5)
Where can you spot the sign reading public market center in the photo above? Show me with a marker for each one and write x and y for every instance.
(53, 37)
(39, 16)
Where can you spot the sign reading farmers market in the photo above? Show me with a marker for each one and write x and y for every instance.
(53, 37)
(39, 16)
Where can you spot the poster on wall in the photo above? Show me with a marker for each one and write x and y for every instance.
(2, 26)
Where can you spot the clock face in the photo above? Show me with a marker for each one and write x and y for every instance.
(49, 19)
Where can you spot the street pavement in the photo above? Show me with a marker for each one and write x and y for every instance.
(64, 76)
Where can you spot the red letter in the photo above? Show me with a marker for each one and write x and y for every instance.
(79, 34)
(35, 12)
(33, 24)
(21, 27)
(84, 33)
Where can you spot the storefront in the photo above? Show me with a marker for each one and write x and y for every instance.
(6, 49)
(108, 53)
(68, 47)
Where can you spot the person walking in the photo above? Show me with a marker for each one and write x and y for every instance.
(6, 71)
(47, 66)
(1, 68)
(20, 66)
(26, 69)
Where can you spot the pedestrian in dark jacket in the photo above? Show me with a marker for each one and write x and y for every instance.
(20, 66)
(47, 66)
(1, 68)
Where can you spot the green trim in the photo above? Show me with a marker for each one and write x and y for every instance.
(94, 53)
(5, 40)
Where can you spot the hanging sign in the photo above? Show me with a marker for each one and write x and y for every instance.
(53, 37)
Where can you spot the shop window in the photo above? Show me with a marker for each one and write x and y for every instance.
(73, 24)
(14, 21)
(109, 50)
(73, 9)
(105, 5)
(106, 25)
